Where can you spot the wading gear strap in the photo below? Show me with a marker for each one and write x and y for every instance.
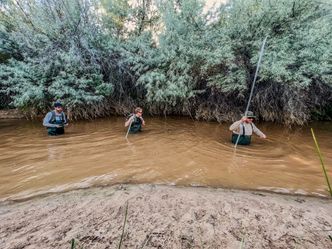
(53, 131)
(53, 118)
(136, 124)
(243, 139)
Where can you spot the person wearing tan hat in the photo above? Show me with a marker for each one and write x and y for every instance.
(244, 128)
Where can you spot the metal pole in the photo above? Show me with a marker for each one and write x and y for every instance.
(253, 85)
(129, 127)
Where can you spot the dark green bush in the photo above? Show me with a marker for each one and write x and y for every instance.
(172, 57)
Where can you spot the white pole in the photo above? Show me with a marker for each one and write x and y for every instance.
(129, 127)
(253, 85)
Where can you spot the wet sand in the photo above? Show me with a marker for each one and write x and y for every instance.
(167, 217)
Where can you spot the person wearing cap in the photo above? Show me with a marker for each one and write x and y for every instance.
(135, 121)
(244, 128)
(55, 121)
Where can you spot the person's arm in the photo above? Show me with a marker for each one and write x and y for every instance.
(128, 122)
(236, 126)
(258, 131)
(47, 119)
(143, 122)
(65, 121)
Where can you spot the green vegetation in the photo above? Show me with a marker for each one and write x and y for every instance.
(242, 244)
(124, 225)
(102, 57)
(322, 162)
(73, 244)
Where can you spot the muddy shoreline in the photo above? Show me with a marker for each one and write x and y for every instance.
(167, 217)
(11, 114)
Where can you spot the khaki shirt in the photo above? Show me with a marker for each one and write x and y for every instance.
(237, 128)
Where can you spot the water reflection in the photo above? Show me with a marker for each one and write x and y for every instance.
(175, 151)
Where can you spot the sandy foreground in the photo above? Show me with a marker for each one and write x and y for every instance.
(166, 217)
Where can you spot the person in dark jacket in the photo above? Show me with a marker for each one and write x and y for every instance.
(55, 121)
(135, 121)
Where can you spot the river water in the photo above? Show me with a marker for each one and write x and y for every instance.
(174, 151)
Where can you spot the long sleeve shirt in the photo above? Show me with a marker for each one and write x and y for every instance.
(48, 118)
(237, 128)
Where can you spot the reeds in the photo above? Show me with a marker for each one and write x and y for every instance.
(322, 162)
(73, 244)
(124, 225)
(242, 243)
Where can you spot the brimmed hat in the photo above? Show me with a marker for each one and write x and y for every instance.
(250, 114)
(57, 104)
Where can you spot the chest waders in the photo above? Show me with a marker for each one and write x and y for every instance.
(53, 131)
(244, 139)
(136, 125)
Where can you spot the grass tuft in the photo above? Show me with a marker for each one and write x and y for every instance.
(322, 162)
(124, 225)
(73, 244)
(242, 244)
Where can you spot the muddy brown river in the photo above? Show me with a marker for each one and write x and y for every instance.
(173, 151)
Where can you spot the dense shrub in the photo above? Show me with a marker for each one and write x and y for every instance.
(172, 57)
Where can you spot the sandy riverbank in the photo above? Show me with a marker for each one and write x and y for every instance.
(167, 217)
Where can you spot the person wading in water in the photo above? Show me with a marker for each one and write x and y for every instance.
(244, 128)
(55, 121)
(135, 121)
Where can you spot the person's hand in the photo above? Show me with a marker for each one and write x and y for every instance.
(143, 122)
(263, 136)
(244, 119)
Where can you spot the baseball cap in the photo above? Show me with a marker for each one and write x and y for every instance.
(57, 104)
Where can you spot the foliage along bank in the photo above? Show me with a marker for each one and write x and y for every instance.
(103, 57)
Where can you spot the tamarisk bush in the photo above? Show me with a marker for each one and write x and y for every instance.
(103, 57)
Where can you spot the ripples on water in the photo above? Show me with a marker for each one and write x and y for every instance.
(174, 151)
